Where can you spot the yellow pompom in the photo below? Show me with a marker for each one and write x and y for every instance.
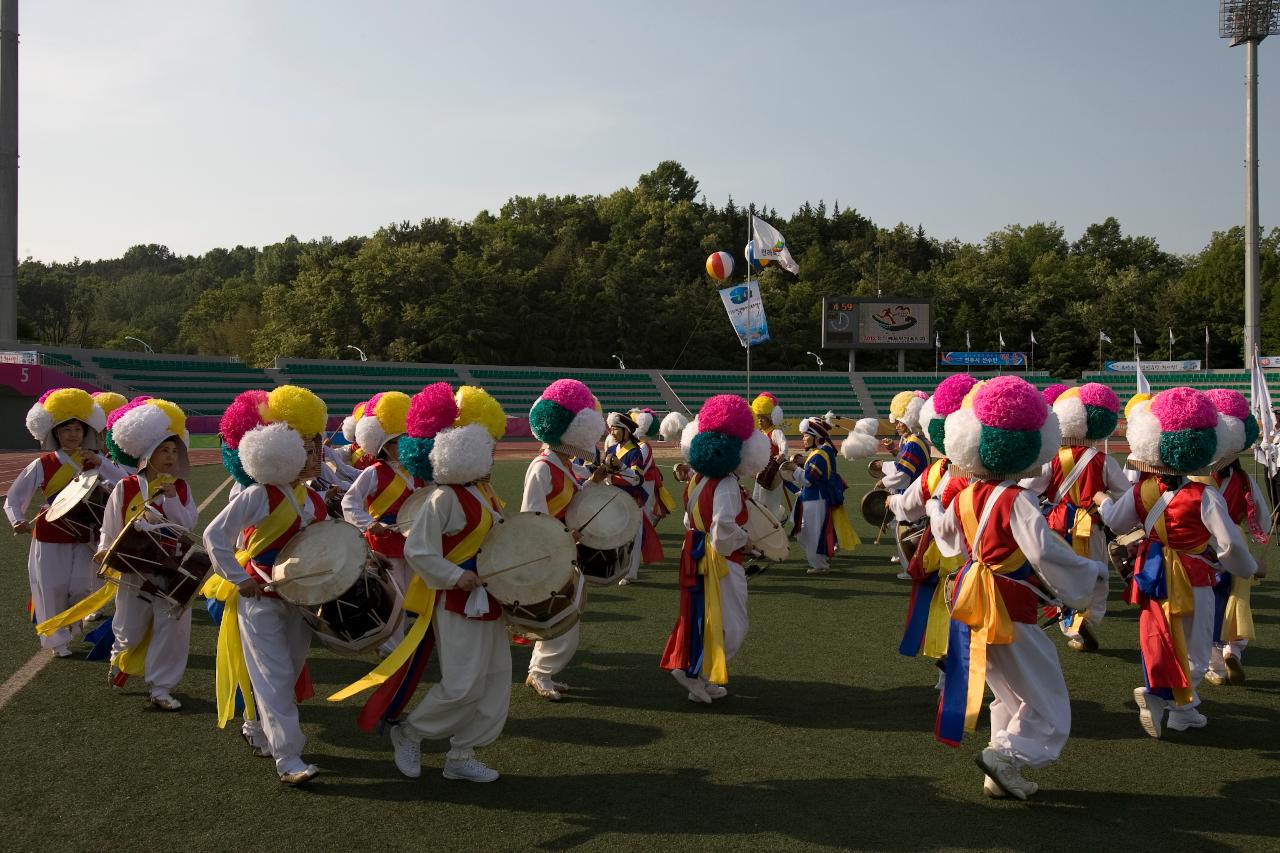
(358, 411)
(762, 406)
(67, 403)
(109, 401)
(595, 401)
(177, 418)
(967, 402)
(1133, 403)
(1073, 391)
(898, 405)
(476, 406)
(391, 410)
(299, 407)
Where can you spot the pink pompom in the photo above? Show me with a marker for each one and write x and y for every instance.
(431, 410)
(1052, 392)
(921, 395)
(46, 394)
(569, 393)
(1230, 403)
(1097, 394)
(126, 409)
(950, 393)
(1010, 402)
(372, 404)
(241, 416)
(728, 414)
(1183, 408)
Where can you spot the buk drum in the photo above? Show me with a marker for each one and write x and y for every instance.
(79, 508)
(875, 506)
(345, 591)
(765, 533)
(527, 563)
(770, 475)
(1123, 549)
(909, 536)
(158, 561)
(607, 520)
(411, 509)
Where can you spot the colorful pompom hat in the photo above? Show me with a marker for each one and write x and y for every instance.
(819, 428)
(1052, 392)
(673, 426)
(1087, 414)
(646, 424)
(1239, 428)
(905, 408)
(862, 441)
(462, 453)
(617, 419)
(723, 439)
(565, 419)
(946, 399)
(765, 405)
(240, 417)
(1003, 430)
(1176, 433)
(60, 405)
(383, 420)
(350, 421)
(109, 401)
(139, 431)
(268, 431)
(117, 455)
(430, 410)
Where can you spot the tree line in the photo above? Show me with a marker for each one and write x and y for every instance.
(571, 280)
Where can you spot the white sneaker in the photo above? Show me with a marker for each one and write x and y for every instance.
(991, 789)
(904, 576)
(62, 652)
(1001, 770)
(1186, 717)
(1151, 710)
(697, 691)
(818, 572)
(716, 691)
(894, 559)
(297, 777)
(544, 687)
(257, 742)
(162, 700)
(624, 582)
(1217, 679)
(469, 770)
(408, 753)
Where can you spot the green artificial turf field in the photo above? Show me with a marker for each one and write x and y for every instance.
(825, 742)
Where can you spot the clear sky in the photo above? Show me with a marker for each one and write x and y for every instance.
(204, 124)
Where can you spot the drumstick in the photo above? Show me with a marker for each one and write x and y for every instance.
(585, 524)
(516, 566)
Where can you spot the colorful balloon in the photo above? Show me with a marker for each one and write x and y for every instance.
(752, 261)
(720, 265)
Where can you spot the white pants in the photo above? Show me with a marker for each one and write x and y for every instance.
(276, 639)
(1031, 711)
(170, 638)
(633, 566)
(733, 608)
(811, 531)
(774, 500)
(1198, 631)
(552, 656)
(60, 574)
(1098, 604)
(402, 575)
(469, 704)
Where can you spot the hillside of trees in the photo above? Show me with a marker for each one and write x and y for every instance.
(569, 280)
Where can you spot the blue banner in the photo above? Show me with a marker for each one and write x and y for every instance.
(746, 312)
(994, 359)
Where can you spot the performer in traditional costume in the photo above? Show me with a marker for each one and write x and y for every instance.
(821, 522)
(626, 462)
(1087, 415)
(912, 454)
(721, 444)
(263, 640)
(1187, 524)
(68, 425)
(469, 704)
(564, 420)
(769, 419)
(1233, 610)
(928, 620)
(1002, 431)
(150, 640)
(375, 498)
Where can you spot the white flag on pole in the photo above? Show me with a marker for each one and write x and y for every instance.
(1001, 334)
(1206, 335)
(1172, 339)
(967, 345)
(937, 340)
(1103, 336)
(1033, 339)
(770, 245)
(1144, 387)
(1137, 341)
(1260, 405)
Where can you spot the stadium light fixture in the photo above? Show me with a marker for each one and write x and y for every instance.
(357, 349)
(621, 365)
(146, 347)
(816, 358)
(1248, 22)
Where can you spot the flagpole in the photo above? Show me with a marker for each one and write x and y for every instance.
(1099, 352)
(750, 238)
(1206, 349)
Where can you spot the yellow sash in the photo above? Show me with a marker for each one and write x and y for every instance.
(421, 600)
(979, 604)
(713, 567)
(557, 502)
(383, 500)
(133, 660)
(275, 525)
(65, 474)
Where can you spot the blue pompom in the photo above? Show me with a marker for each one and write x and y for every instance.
(415, 456)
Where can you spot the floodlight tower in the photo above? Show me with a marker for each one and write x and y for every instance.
(1248, 22)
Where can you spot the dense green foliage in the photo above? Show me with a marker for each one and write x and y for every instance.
(570, 280)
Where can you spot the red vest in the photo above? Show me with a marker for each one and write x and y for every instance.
(1184, 527)
(998, 545)
(706, 509)
(455, 600)
(389, 543)
(1089, 482)
(47, 531)
(266, 558)
(1236, 494)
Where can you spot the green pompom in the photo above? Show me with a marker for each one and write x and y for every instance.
(1250, 430)
(231, 461)
(548, 421)
(714, 454)
(1008, 451)
(415, 456)
(1099, 422)
(1188, 449)
(119, 456)
(937, 432)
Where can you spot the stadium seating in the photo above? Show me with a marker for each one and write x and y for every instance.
(1126, 384)
(343, 384)
(799, 394)
(202, 386)
(617, 390)
(882, 386)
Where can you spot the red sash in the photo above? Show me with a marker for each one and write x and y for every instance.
(388, 543)
(47, 531)
(455, 600)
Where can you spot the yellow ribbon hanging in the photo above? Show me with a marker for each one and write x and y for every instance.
(666, 498)
(133, 660)
(713, 567)
(230, 672)
(1237, 622)
(384, 499)
(91, 603)
(846, 537)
